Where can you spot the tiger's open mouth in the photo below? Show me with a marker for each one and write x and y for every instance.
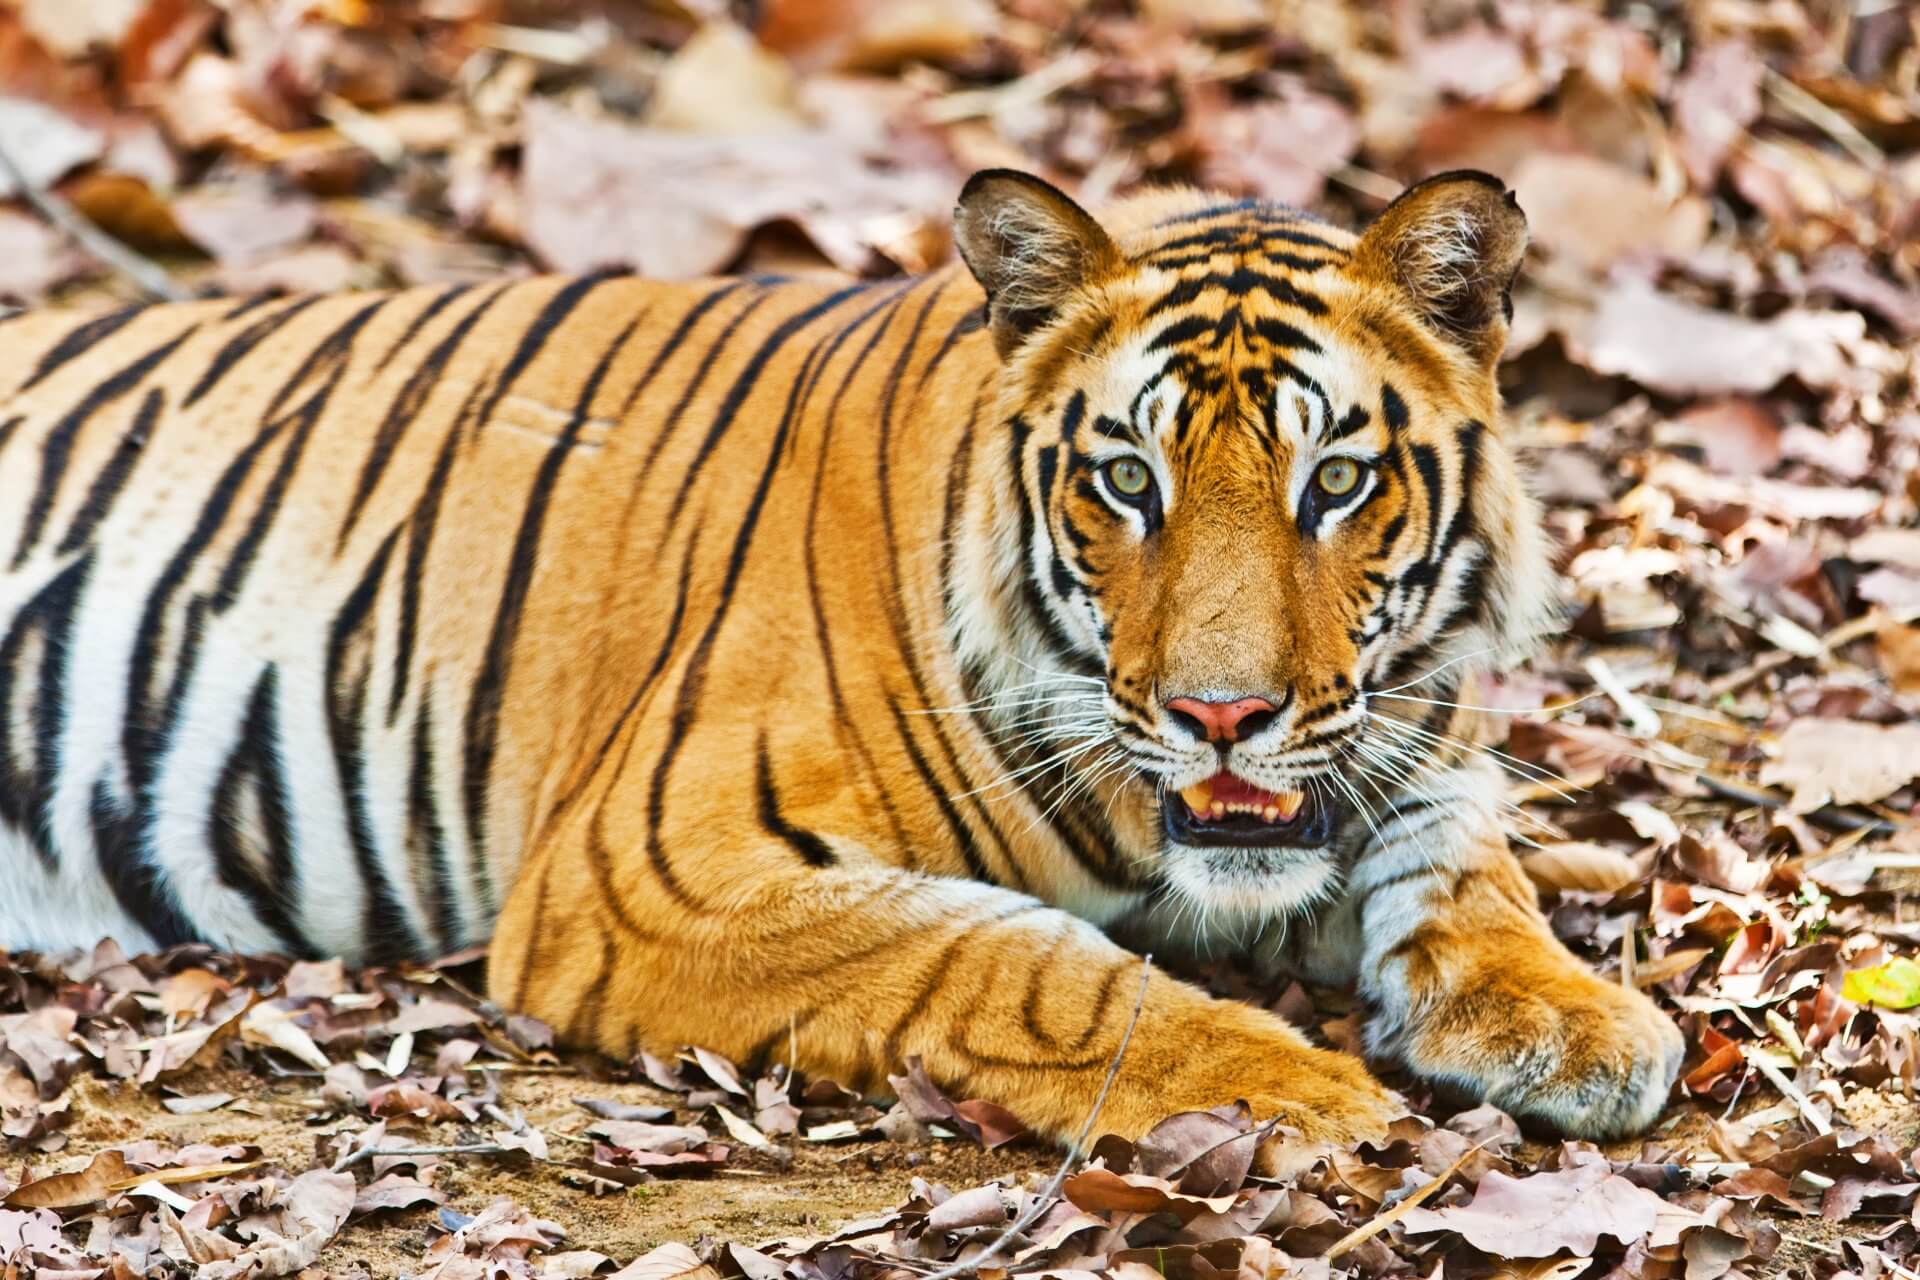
(1228, 810)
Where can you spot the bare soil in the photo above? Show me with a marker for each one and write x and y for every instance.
(806, 1189)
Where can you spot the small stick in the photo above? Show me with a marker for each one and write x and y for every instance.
(1828, 816)
(1826, 119)
(368, 1153)
(1399, 1209)
(94, 242)
(1044, 1200)
(1791, 1092)
(1844, 634)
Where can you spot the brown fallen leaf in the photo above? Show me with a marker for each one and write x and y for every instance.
(108, 1173)
(1680, 349)
(1829, 761)
(668, 1262)
(1714, 102)
(1540, 1215)
(1593, 212)
(1592, 868)
(288, 1236)
(71, 1190)
(395, 1191)
(598, 193)
(1104, 1191)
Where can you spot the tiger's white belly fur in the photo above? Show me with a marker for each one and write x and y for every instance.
(172, 764)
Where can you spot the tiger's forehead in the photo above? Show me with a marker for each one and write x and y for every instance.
(1195, 237)
(1179, 394)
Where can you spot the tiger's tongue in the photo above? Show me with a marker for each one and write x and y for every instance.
(1226, 793)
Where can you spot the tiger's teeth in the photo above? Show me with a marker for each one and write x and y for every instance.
(1219, 810)
(1199, 797)
(1285, 805)
(1269, 813)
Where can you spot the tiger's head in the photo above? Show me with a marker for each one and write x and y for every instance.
(1253, 483)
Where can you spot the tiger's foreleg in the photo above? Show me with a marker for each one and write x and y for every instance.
(852, 969)
(1469, 987)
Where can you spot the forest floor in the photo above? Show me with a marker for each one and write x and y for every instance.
(1711, 379)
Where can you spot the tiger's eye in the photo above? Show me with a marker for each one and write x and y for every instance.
(1338, 476)
(1129, 477)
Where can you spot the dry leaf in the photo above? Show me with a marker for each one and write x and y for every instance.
(1829, 761)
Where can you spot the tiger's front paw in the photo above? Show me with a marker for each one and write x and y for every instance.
(1587, 1057)
(1325, 1096)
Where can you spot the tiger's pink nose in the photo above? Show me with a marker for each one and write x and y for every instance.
(1223, 721)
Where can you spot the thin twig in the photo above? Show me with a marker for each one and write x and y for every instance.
(1826, 119)
(370, 1153)
(1045, 1199)
(1398, 1209)
(1828, 816)
(1791, 1092)
(95, 243)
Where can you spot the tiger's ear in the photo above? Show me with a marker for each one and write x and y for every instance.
(1453, 243)
(1030, 247)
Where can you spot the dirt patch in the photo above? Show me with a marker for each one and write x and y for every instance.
(800, 1189)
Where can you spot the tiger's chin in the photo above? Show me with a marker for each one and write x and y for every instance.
(1251, 856)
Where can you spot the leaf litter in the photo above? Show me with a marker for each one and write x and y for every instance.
(1713, 762)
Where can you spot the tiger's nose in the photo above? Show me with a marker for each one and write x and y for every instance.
(1223, 721)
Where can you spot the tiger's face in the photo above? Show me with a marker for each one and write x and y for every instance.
(1264, 496)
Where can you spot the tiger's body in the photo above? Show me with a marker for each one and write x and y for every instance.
(736, 656)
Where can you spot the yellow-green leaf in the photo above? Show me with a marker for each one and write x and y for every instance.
(1893, 985)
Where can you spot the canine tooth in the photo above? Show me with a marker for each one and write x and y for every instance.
(1219, 810)
(1199, 796)
(1269, 813)
(1287, 803)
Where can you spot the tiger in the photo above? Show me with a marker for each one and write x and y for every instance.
(832, 671)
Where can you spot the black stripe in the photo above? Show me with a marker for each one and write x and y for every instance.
(56, 448)
(426, 835)
(421, 525)
(254, 768)
(536, 335)
(694, 681)
(709, 360)
(842, 716)
(743, 386)
(26, 796)
(113, 476)
(407, 408)
(434, 307)
(150, 716)
(963, 838)
(1393, 409)
(333, 354)
(896, 610)
(81, 339)
(489, 687)
(678, 337)
(241, 343)
(137, 885)
(386, 935)
(811, 848)
(970, 322)
(1240, 282)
